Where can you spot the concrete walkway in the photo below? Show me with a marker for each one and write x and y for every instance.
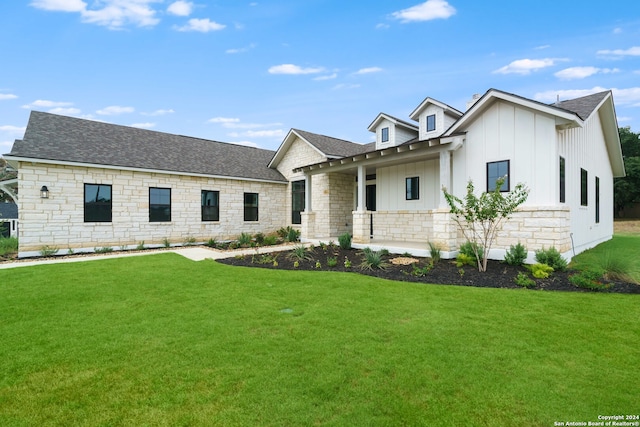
(194, 253)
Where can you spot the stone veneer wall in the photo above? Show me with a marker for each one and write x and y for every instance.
(535, 227)
(59, 220)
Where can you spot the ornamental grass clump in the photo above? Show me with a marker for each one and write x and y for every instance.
(374, 259)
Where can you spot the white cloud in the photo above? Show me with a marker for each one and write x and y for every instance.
(427, 11)
(43, 103)
(628, 96)
(65, 111)
(573, 73)
(114, 110)
(223, 120)
(60, 5)
(5, 96)
(242, 49)
(180, 8)
(158, 113)
(617, 30)
(327, 77)
(544, 46)
(382, 26)
(294, 69)
(275, 133)
(368, 70)
(12, 129)
(114, 14)
(632, 51)
(201, 25)
(525, 66)
(246, 143)
(147, 125)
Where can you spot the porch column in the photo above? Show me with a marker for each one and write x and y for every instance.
(307, 194)
(308, 217)
(445, 176)
(362, 186)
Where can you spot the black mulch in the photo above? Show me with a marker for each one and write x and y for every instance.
(445, 272)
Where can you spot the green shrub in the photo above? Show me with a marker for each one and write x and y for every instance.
(434, 252)
(47, 250)
(212, 242)
(470, 249)
(103, 250)
(289, 234)
(270, 240)
(299, 253)
(140, 246)
(525, 281)
(244, 239)
(347, 262)
(8, 245)
(189, 241)
(464, 259)
(616, 267)
(540, 271)
(552, 258)
(516, 255)
(421, 271)
(259, 237)
(345, 241)
(166, 243)
(373, 260)
(332, 261)
(589, 279)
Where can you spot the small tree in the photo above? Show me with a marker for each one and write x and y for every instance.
(480, 218)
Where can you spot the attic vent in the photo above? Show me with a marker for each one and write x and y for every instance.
(473, 100)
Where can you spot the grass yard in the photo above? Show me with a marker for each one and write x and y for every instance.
(161, 340)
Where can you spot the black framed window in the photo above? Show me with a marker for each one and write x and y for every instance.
(97, 203)
(384, 134)
(412, 186)
(297, 201)
(159, 204)
(584, 187)
(496, 170)
(250, 206)
(563, 183)
(431, 122)
(597, 200)
(210, 205)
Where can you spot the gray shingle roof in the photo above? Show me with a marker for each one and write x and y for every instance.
(583, 106)
(53, 137)
(334, 147)
(8, 211)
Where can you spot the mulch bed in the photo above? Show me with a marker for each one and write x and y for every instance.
(445, 272)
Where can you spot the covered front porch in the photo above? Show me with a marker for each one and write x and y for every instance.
(370, 203)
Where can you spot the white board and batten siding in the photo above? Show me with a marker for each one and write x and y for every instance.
(391, 190)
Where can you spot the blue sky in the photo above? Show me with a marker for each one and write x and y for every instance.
(246, 72)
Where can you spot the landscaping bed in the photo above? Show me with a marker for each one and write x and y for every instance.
(415, 269)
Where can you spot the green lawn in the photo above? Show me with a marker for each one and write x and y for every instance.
(161, 340)
(622, 250)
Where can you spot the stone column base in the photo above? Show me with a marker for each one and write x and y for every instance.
(361, 227)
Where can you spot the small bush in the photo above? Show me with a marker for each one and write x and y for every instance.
(345, 241)
(525, 281)
(434, 252)
(332, 261)
(259, 237)
(589, 279)
(421, 271)
(347, 262)
(189, 241)
(212, 242)
(552, 258)
(470, 249)
(299, 253)
(244, 239)
(47, 250)
(166, 242)
(266, 259)
(103, 250)
(464, 259)
(516, 255)
(270, 240)
(540, 271)
(8, 245)
(373, 260)
(289, 234)
(140, 246)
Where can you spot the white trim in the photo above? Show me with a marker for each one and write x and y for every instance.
(415, 114)
(372, 127)
(132, 169)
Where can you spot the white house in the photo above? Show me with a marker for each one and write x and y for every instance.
(116, 186)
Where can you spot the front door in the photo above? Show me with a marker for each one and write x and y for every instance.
(370, 204)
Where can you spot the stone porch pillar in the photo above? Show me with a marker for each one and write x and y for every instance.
(361, 227)
(445, 232)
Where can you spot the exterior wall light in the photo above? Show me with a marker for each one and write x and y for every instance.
(44, 192)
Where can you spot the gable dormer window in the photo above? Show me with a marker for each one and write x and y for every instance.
(384, 135)
(431, 122)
